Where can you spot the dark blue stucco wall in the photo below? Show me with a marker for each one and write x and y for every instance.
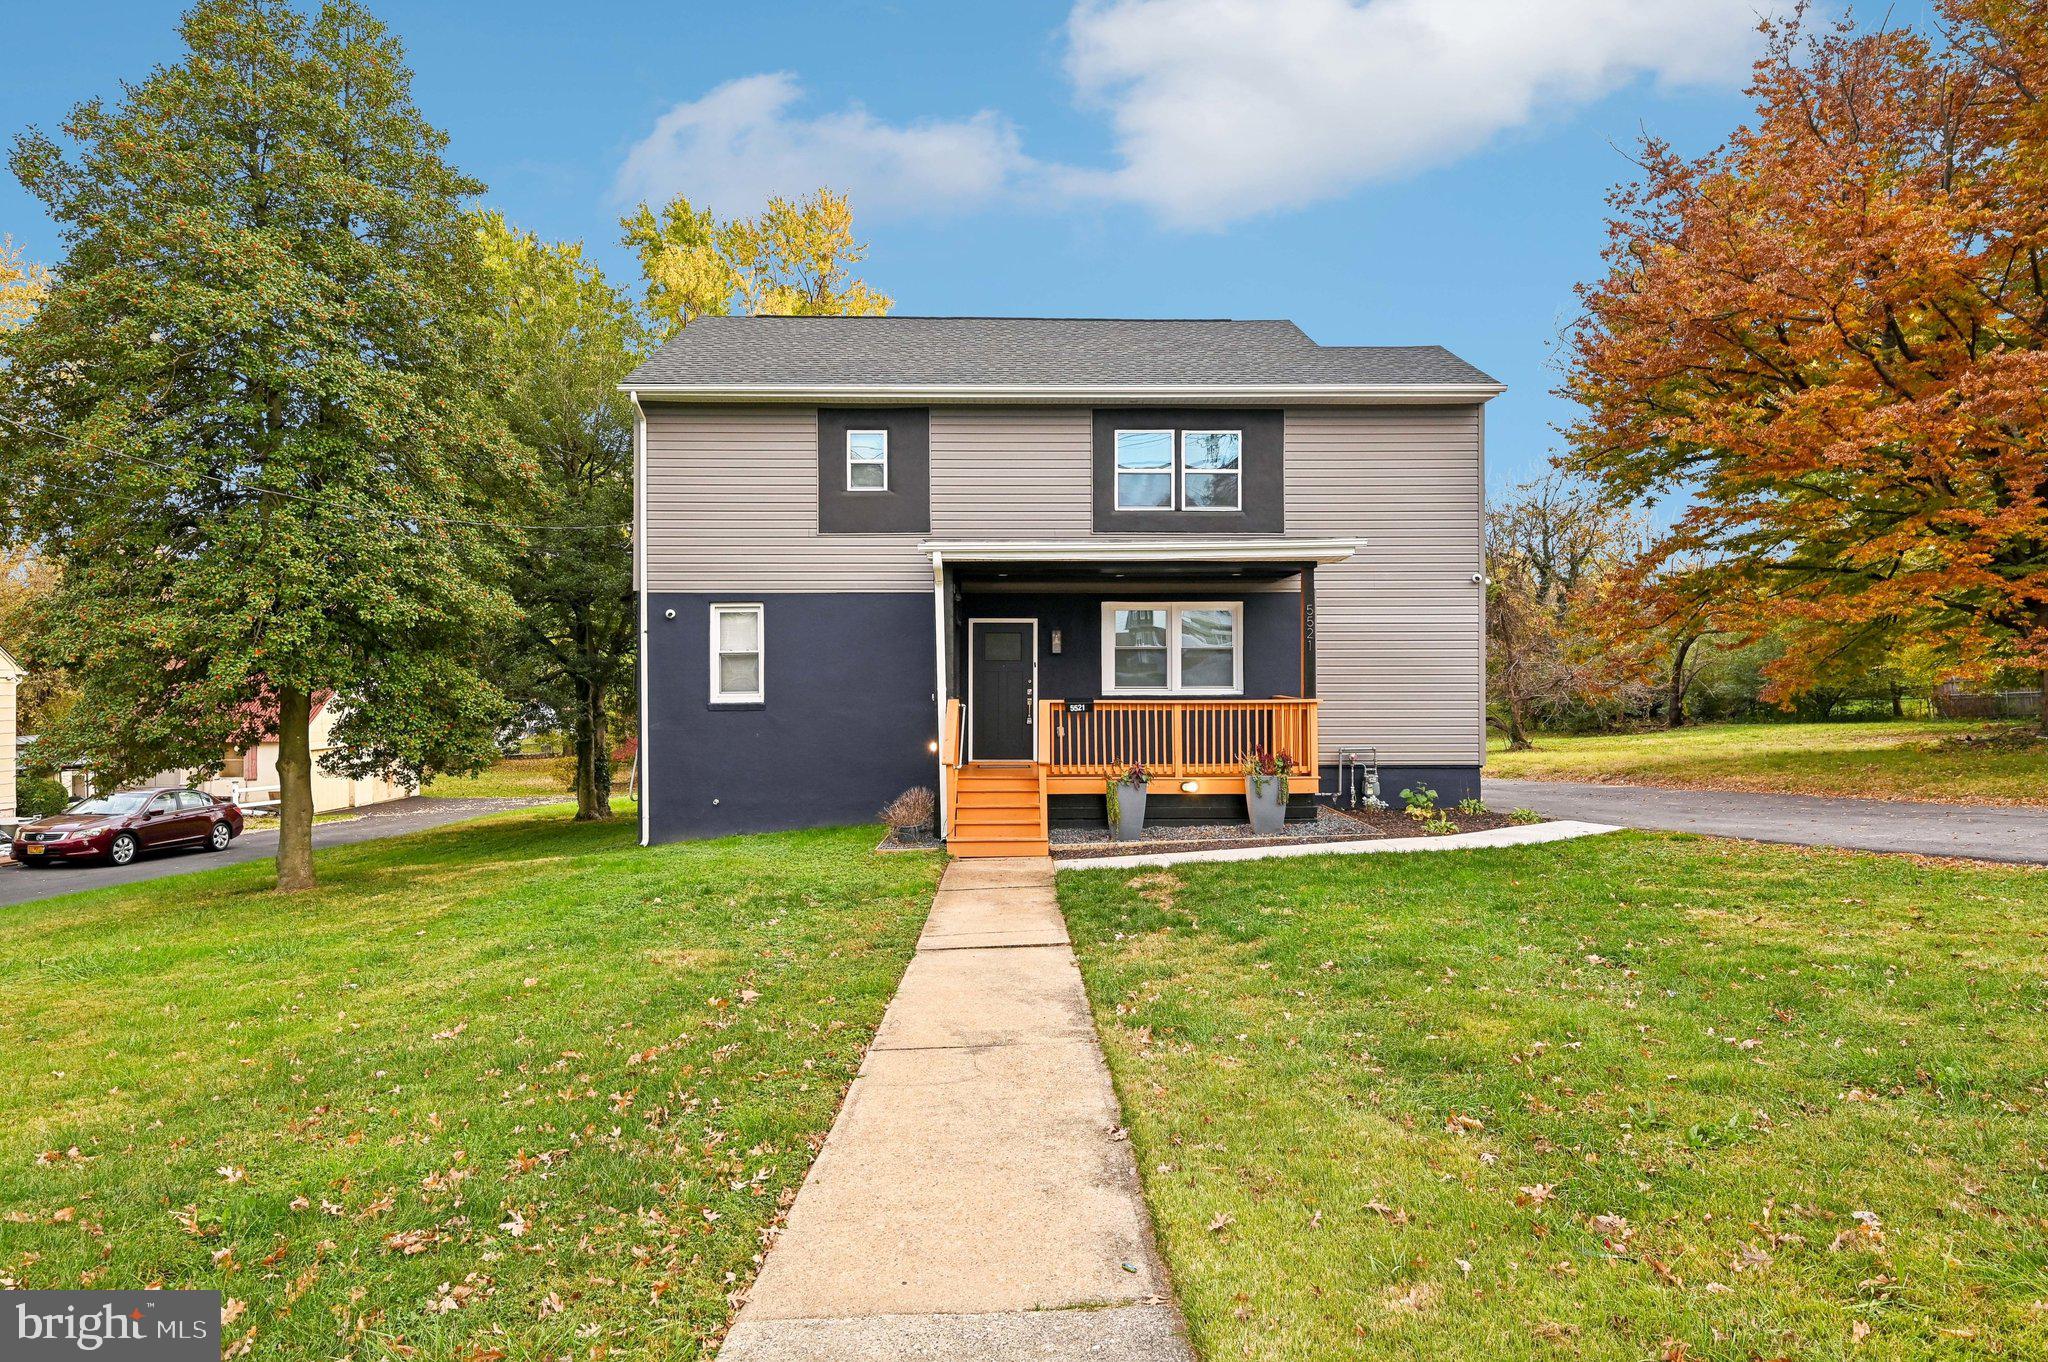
(1272, 635)
(849, 713)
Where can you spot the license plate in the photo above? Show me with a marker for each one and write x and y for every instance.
(35, 851)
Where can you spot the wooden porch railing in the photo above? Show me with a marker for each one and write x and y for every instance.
(950, 748)
(1175, 738)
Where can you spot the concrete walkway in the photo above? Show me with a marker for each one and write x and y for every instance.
(975, 1199)
(1984, 832)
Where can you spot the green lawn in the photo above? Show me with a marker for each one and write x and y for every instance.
(515, 1088)
(1945, 760)
(1632, 1097)
(514, 778)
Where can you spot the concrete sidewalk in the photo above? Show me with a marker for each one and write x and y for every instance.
(975, 1199)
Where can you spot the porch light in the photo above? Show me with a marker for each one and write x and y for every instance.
(932, 746)
(1190, 786)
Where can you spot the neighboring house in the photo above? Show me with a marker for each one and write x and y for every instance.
(11, 675)
(250, 777)
(1005, 556)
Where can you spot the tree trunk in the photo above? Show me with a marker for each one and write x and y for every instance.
(295, 791)
(1674, 697)
(593, 756)
(2042, 727)
(1518, 728)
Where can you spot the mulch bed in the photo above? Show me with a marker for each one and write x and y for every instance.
(1396, 823)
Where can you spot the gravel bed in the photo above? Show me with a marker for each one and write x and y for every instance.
(1330, 825)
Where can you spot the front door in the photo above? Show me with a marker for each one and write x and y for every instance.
(1002, 689)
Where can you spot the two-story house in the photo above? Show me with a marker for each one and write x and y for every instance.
(1005, 557)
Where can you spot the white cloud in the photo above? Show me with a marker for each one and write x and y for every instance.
(1218, 109)
(744, 141)
(1234, 107)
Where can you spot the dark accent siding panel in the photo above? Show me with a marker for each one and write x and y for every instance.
(848, 679)
(1272, 635)
(906, 507)
(1451, 783)
(1262, 486)
(1178, 810)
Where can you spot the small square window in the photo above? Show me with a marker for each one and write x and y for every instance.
(736, 653)
(1144, 470)
(867, 460)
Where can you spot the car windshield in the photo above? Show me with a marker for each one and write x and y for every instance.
(125, 801)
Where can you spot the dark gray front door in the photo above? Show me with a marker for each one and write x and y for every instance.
(1001, 705)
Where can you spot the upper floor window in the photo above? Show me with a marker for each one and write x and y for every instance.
(1211, 470)
(1144, 470)
(736, 654)
(1164, 648)
(867, 460)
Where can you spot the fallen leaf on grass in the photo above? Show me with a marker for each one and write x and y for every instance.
(1535, 1193)
(1222, 1223)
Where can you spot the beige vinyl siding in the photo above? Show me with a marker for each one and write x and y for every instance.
(732, 496)
(1012, 471)
(8, 694)
(732, 505)
(1399, 652)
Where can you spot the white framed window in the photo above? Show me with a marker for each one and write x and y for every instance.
(737, 654)
(1211, 470)
(867, 460)
(1173, 647)
(1144, 470)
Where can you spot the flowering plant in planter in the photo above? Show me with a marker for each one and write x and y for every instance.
(1265, 790)
(1133, 777)
(1261, 766)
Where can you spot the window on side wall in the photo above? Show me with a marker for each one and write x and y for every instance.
(1211, 470)
(1144, 470)
(867, 460)
(736, 655)
(1173, 648)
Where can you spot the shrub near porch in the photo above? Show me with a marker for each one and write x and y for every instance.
(514, 1088)
(1630, 1097)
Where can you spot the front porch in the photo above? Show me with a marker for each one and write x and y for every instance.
(1192, 749)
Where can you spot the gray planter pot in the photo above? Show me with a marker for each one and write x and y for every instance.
(1268, 808)
(1129, 823)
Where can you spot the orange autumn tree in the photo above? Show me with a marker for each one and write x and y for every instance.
(1827, 336)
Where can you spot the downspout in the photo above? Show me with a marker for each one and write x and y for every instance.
(939, 815)
(640, 588)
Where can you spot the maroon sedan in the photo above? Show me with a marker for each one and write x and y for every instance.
(118, 827)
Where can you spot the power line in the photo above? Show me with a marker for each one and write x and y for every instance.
(392, 517)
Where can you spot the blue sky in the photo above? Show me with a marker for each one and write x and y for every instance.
(1380, 171)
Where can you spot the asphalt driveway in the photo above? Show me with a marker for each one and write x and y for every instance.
(1982, 832)
(379, 820)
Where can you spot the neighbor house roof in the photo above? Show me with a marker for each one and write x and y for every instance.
(1026, 356)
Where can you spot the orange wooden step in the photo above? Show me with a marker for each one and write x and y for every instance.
(961, 846)
(999, 799)
(996, 818)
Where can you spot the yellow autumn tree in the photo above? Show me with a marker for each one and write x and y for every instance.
(794, 259)
(22, 285)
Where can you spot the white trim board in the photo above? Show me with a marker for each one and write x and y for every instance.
(1534, 834)
(1166, 394)
(1166, 549)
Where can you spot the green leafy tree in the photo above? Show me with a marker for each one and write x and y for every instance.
(243, 423)
(566, 337)
(794, 259)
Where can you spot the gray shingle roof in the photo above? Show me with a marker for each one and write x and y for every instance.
(1064, 351)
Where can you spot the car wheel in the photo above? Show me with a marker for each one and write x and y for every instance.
(219, 838)
(122, 849)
